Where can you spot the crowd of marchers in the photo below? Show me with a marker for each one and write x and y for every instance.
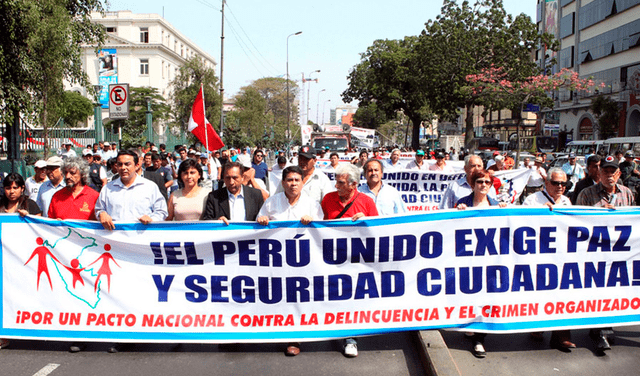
(150, 184)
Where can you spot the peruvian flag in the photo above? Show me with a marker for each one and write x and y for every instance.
(200, 126)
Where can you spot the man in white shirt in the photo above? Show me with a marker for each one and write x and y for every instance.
(34, 183)
(51, 186)
(316, 183)
(536, 179)
(68, 152)
(574, 171)
(440, 164)
(418, 163)
(292, 203)
(553, 194)
(130, 197)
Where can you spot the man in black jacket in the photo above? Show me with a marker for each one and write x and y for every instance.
(234, 201)
(593, 177)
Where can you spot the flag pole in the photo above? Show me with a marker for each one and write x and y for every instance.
(206, 130)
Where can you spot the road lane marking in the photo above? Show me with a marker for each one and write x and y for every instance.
(47, 369)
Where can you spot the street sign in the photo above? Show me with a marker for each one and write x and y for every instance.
(119, 101)
(531, 108)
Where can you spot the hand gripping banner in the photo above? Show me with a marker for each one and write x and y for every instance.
(492, 270)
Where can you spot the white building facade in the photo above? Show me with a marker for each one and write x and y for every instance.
(143, 50)
(599, 39)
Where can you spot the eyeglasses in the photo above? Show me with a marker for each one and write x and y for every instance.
(258, 155)
(487, 182)
(558, 183)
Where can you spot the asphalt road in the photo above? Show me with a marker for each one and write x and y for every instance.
(518, 354)
(391, 354)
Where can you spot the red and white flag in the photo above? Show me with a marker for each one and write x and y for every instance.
(200, 126)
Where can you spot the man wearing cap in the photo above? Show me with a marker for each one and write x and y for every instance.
(393, 163)
(34, 183)
(536, 179)
(574, 171)
(418, 162)
(235, 201)
(51, 186)
(606, 194)
(68, 152)
(629, 175)
(492, 161)
(97, 173)
(249, 178)
(440, 165)
(315, 183)
(593, 177)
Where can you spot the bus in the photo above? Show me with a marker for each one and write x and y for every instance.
(584, 148)
(486, 143)
(536, 144)
(622, 144)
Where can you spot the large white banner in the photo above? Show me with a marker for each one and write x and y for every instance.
(492, 270)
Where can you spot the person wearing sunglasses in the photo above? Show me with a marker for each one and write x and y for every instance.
(553, 192)
(481, 183)
(553, 195)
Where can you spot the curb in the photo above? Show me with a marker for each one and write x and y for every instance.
(436, 356)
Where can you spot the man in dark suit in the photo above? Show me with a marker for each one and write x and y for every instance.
(234, 201)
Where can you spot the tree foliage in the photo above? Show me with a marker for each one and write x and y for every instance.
(74, 108)
(425, 75)
(40, 47)
(607, 112)
(134, 129)
(261, 111)
(185, 88)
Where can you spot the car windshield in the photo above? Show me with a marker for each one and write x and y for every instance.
(334, 144)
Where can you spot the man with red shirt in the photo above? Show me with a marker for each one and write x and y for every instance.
(348, 202)
(77, 200)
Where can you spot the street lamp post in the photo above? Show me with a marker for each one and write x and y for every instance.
(325, 102)
(318, 107)
(97, 114)
(309, 92)
(149, 120)
(287, 80)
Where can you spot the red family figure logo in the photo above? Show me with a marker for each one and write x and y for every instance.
(43, 251)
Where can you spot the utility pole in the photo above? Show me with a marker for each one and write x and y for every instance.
(221, 72)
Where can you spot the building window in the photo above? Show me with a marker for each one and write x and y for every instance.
(182, 50)
(163, 75)
(111, 29)
(144, 67)
(144, 35)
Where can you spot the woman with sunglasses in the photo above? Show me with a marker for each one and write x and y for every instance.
(481, 182)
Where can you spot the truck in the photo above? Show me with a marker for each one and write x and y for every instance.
(335, 141)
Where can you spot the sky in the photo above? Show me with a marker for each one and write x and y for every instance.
(334, 34)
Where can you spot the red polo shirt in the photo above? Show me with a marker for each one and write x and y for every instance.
(332, 206)
(65, 206)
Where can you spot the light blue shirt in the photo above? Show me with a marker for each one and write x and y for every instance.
(46, 193)
(129, 204)
(388, 201)
(457, 190)
(389, 166)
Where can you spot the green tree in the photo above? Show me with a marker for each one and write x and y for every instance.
(369, 116)
(465, 39)
(40, 47)
(134, 129)
(387, 76)
(186, 86)
(74, 108)
(261, 109)
(607, 112)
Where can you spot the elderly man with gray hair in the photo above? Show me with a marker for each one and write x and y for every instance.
(348, 202)
(76, 200)
(553, 192)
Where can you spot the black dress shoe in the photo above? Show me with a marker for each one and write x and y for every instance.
(478, 349)
(602, 343)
